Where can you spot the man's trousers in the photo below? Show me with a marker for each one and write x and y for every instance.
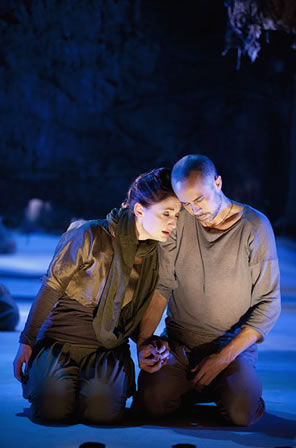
(236, 390)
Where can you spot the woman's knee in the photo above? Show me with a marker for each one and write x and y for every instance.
(54, 402)
(101, 403)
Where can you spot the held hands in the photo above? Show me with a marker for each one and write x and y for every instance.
(207, 369)
(153, 354)
(22, 357)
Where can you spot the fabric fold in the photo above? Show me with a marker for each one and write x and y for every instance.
(126, 247)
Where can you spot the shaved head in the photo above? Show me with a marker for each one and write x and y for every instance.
(193, 163)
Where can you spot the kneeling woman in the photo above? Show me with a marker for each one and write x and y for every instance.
(98, 286)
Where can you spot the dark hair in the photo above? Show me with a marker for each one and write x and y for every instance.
(194, 162)
(149, 188)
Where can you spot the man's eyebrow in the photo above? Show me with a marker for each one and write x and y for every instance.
(196, 199)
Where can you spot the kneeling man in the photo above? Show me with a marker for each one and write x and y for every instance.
(219, 271)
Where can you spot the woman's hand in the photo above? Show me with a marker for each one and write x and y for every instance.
(153, 354)
(22, 357)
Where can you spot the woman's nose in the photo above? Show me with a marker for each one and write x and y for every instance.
(173, 222)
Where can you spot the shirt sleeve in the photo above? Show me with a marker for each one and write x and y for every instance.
(265, 276)
(167, 281)
(71, 252)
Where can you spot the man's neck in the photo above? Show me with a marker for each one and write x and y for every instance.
(230, 212)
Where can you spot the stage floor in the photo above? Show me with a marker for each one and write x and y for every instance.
(276, 368)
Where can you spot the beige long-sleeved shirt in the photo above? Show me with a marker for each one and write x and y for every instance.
(217, 283)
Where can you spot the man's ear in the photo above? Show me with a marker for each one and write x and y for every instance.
(139, 210)
(218, 182)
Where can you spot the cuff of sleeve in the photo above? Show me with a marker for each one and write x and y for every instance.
(259, 330)
(25, 339)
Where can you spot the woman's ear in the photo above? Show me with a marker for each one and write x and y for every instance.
(138, 210)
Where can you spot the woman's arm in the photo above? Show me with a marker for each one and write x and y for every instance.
(152, 351)
(68, 259)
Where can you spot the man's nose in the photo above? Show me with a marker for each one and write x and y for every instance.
(195, 209)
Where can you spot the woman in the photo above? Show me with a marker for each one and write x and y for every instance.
(98, 286)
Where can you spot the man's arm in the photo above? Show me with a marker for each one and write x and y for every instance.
(265, 300)
(265, 276)
(152, 351)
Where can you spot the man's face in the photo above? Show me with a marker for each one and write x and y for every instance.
(201, 197)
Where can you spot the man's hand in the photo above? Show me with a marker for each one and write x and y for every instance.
(210, 367)
(153, 354)
(207, 369)
(22, 357)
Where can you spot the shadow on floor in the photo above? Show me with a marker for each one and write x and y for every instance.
(199, 418)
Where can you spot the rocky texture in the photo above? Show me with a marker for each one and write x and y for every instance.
(95, 92)
(249, 21)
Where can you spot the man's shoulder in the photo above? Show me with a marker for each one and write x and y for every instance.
(254, 217)
(258, 224)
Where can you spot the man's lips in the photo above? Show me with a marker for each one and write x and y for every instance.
(202, 217)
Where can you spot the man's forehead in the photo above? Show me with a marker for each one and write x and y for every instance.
(195, 181)
(191, 189)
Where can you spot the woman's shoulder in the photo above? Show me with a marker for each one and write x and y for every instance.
(85, 233)
(94, 226)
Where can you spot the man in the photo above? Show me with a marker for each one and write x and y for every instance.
(219, 271)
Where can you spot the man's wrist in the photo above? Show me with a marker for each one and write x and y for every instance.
(227, 355)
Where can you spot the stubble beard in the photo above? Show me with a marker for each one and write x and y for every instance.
(217, 210)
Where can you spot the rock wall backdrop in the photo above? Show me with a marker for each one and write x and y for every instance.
(94, 92)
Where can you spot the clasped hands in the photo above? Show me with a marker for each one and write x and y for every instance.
(153, 354)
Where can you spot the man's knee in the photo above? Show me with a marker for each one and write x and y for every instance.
(241, 412)
(239, 392)
(155, 397)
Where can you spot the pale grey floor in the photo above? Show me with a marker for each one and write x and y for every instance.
(276, 368)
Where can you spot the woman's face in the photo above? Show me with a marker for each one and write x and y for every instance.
(158, 220)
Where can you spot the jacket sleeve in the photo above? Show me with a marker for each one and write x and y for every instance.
(71, 252)
(167, 256)
(265, 277)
